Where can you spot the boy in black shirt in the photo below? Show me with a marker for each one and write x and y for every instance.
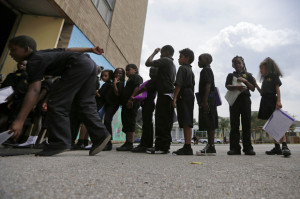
(165, 88)
(78, 72)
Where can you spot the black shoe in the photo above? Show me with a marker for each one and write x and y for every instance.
(127, 146)
(78, 147)
(250, 152)
(183, 151)
(50, 152)
(208, 150)
(29, 146)
(286, 151)
(139, 149)
(274, 151)
(157, 151)
(108, 146)
(233, 152)
(99, 146)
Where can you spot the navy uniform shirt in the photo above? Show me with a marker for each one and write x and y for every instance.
(48, 62)
(269, 84)
(165, 75)
(133, 82)
(111, 98)
(206, 77)
(245, 75)
(185, 79)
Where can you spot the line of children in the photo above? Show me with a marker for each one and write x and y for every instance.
(271, 99)
(241, 107)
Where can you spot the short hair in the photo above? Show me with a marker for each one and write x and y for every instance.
(207, 57)
(188, 53)
(133, 66)
(169, 49)
(23, 41)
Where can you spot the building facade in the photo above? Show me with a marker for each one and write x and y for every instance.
(117, 26)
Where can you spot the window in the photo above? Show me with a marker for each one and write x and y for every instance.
(105, 8)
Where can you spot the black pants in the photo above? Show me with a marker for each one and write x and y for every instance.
(163, 122)
(110, 111)
(76, 88)
(241, 107)
(147, 113)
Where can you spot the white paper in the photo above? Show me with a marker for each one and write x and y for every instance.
(278, 124)
(231, 96)
(4, 93)
(4, 136)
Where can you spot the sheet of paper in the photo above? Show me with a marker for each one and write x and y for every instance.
(231, 96)
(4, 93)
(4, 136)
(278, 124)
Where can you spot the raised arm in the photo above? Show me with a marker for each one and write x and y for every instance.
(97, 50)
(149, 61)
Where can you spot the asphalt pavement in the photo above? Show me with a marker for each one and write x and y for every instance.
(113, 174)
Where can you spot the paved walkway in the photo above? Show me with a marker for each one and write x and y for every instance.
(127, 175)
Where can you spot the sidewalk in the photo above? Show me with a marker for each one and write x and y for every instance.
(113, 174)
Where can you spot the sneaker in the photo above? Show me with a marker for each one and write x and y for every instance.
(108, 146)
(88, 147)
(29, 142)
(139, 149)
(286, 151)
(156, 151)
(99, 146)
(274, 151)
(183, 151)
(249, 152)
(127, 146)
(208, 150)
(233, 152)
(50, 152)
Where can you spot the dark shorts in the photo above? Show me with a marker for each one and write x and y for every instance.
(128, 117)
(208, 121)
(267, 106)
(185, 111)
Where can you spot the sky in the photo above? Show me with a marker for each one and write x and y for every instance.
(253, 29)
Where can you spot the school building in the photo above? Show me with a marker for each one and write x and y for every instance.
(117, 26)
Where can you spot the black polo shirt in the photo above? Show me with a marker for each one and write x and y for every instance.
(245, 75)
(269, 84)
(111, 98)
(165, 75)
(48, 62)
(151, 87)
(133, 82)
(206, 77)
(185, 77)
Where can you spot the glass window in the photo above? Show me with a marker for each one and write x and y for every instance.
(105, 8)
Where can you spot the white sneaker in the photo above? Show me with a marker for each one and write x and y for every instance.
(29, 142)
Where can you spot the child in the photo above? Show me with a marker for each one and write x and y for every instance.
(270, 99)
(241, 107)
(208, 115)
(184, 99)
(129, 107)
(148, 106)
(78, 72)
(113, 101)
(165, 90)
(106, 76)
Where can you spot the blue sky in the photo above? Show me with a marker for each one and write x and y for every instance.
(252, 29)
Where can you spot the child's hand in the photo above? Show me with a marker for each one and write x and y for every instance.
(278, 105)
(116, 80)
(157, 50)
(241, 79)
(174, 103)
(97, 50)
(242, 88)
(97, 93)
(129, 104)
(44, 106)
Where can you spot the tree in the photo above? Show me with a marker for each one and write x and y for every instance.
(223, 124)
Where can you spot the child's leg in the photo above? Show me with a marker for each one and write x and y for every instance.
(187, 134)
(234, 135)
(211, 137)
(246, 124)
(147, 135)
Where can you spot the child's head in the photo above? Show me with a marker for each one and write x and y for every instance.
(120, 74)
(269, 66)
(153, 72)
(238, 64)
(186, 56)
(167, 51)
(22, 65)
(131, 69)
(106, 75)
(21, 47)
(204, 59)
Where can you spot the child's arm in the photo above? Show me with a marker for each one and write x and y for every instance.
(130, 101)
(278, 103)
(97, 50)
(204, 103)
(256, 86)
(149, 61)
(116, 90)
(176, 92)
(29, 101)
(245, 81)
